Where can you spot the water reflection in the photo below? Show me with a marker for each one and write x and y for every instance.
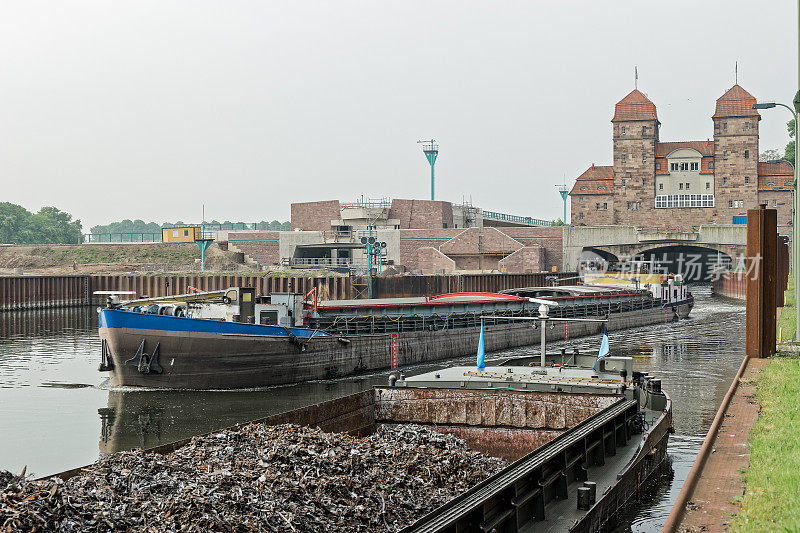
(57, 407)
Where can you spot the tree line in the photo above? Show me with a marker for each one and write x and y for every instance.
(49, 226)
(140, 226)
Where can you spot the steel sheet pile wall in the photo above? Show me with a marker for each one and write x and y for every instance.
(734, 284)
(35, 292)
(329, 287)
(40, 292)
(406, 286)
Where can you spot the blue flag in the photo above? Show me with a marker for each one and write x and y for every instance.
(605, 350)
(481, 351)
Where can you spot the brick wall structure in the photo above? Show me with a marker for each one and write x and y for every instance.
(422, 214)
(261, 246)
(432, 261)
(315, 216)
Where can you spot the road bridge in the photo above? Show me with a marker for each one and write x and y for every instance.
(620, 243)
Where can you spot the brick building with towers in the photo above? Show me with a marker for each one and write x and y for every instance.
(682, 184)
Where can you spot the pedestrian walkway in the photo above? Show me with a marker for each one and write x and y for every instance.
(720, 483)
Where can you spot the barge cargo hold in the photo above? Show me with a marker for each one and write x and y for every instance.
(571, 433)
(163, 346)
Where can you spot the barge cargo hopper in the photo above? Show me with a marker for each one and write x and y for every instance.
(563, 429)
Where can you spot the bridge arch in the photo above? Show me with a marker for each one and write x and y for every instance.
(694, 262)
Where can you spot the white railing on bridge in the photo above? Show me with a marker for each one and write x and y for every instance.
(515, 218)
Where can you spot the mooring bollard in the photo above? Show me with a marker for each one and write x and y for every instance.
(584, 498)
(592, 486)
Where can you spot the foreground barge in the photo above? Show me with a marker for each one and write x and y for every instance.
(569, 431)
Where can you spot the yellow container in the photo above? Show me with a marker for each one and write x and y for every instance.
(188, 234)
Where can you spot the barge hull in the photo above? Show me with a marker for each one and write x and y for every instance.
(222, 361)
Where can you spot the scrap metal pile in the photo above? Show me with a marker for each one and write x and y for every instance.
(256, 478)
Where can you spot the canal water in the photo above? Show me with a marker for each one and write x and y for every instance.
(58, 412)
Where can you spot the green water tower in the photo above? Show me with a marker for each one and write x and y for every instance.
(564, 191)
(431, 150)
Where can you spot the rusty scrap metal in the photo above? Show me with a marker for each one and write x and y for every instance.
(256, 478)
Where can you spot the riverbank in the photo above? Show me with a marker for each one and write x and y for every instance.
(771, 497)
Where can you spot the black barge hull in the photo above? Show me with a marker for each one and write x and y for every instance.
(223, 361)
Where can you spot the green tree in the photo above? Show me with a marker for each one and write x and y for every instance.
(49, 226)
(789, 154)
(558, 222)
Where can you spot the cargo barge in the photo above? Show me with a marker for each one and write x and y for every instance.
(581, 442)
(232, 339)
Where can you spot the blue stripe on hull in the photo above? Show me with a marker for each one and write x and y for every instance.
(115, 318)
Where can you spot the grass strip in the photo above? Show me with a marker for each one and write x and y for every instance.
(786, 321)
(771, 500)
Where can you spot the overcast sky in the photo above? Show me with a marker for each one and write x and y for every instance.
(148, 109)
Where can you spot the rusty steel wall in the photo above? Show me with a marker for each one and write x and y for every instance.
(42, 292)
(35, 292)
(731, 285)
(405, 286)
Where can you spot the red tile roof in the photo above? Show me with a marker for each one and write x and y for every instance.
(775, 176)
(781, 168)
(736, 102)
(635, 106)
(704, 147)
(601, 186)
(598, 172)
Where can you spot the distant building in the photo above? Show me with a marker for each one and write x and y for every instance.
(421, 236)
(684, 183)
(180, 234)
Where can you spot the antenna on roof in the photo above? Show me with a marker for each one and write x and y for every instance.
(736, 73)
(636, 78)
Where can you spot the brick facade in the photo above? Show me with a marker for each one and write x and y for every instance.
(625, 193)
(314, 216)
(261, 246)
(422, 214)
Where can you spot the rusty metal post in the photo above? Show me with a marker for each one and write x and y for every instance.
(762, 250)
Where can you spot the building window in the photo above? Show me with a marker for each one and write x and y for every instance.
(747, 125)
(673, 167)
(605, 206)
(658, 166)
(622, 130)
(747, 154)
(644, 158)
(724, 154)
(580, 216)
(644, 181)
(580, 199)
(710, 164)
(695, 166)
(585, 188)
(660, 186)
(680, 186)
(687, 186)
(684, 200)
(708, 185)
(644, 130)
(724, 181)
(624, 158)
(623, 182)
(601, 188)
(730, 203)
(746, 179)
(724, 126)
(774, 203)
(597, 207)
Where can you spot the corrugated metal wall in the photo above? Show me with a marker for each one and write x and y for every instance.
(35, 292)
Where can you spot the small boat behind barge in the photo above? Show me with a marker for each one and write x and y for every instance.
(234, 339)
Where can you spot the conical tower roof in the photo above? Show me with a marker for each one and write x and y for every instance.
(635, 106)
(736, 102)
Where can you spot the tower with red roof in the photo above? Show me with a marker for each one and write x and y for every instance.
(736, 152)
(635, 134)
